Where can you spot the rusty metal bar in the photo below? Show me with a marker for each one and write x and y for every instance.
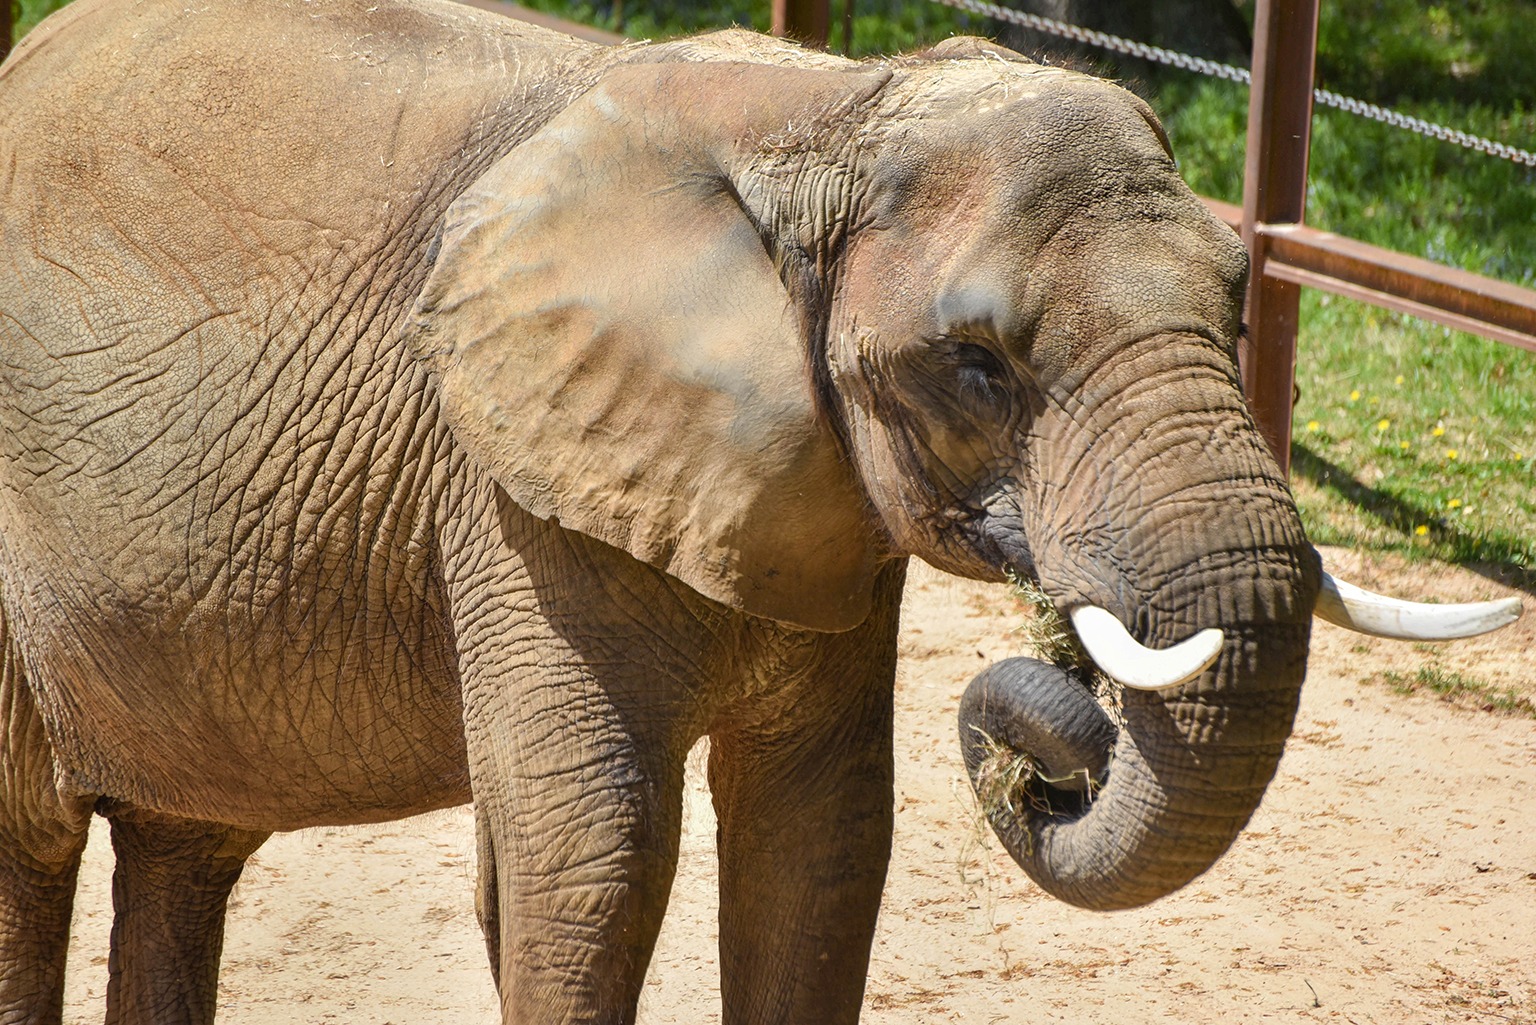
(1394, 281)
(1227, 212)
(805, 21)
(1275, 191)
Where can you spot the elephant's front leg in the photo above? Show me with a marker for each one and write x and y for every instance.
(579, 669)
(578, 822)
(803, 793)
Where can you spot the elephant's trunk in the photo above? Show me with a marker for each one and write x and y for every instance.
(1187, 771)
(1162, 506)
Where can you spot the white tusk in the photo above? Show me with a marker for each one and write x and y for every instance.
(1348, 606)
(1129, 663)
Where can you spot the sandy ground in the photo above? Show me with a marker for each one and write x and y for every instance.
(1390, 876)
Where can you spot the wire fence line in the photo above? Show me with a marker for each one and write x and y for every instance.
(1231, 73)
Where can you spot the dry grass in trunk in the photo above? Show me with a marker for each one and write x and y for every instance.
(1002, 778)
(1002, 782)
(1008, 783)
(1054, 640)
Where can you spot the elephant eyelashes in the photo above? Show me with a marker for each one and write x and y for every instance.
(982, 376)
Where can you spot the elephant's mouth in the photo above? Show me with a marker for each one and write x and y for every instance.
(981, 537)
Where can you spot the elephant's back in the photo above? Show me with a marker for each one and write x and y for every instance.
(319, 111)
(222, 178)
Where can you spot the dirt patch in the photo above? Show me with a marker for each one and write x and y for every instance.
(1389, 877)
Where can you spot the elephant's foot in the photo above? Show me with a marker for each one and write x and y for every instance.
(169, 891)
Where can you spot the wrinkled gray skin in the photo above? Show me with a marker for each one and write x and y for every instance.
(401, 405)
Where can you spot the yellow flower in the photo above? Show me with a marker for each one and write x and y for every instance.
(1313, 426)
(1451, 453)
(1383, 424)
(1439, 430)
(1399, 379)
(1403, 445)
(1354, 396)
(1421, 530)
(1454, 503)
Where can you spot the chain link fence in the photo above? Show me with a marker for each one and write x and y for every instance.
(1216, 69)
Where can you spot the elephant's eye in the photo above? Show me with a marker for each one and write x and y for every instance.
(982, 376)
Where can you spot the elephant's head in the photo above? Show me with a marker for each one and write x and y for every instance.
(1037, 330)
(765, 327)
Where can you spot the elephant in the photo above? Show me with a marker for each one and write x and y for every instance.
(403, 405)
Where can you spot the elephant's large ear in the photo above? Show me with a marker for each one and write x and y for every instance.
(615, 345)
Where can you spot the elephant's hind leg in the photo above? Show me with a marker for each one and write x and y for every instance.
(41, 838)
(169, 892)
(36, 898)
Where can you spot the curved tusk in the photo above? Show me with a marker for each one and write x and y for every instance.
(1129, 663)
(1348, 606)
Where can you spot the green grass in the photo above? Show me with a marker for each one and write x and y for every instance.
(1460, 690)
(1408, 437)
(1415, 439)
(27, 13)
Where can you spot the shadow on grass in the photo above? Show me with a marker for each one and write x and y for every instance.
(1495, 555)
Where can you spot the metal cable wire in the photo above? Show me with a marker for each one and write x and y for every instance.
(1216, 69)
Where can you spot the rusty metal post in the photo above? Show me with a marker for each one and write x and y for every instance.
(807, 21)
(1275, 192)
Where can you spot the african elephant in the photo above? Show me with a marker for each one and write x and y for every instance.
(402, 404)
